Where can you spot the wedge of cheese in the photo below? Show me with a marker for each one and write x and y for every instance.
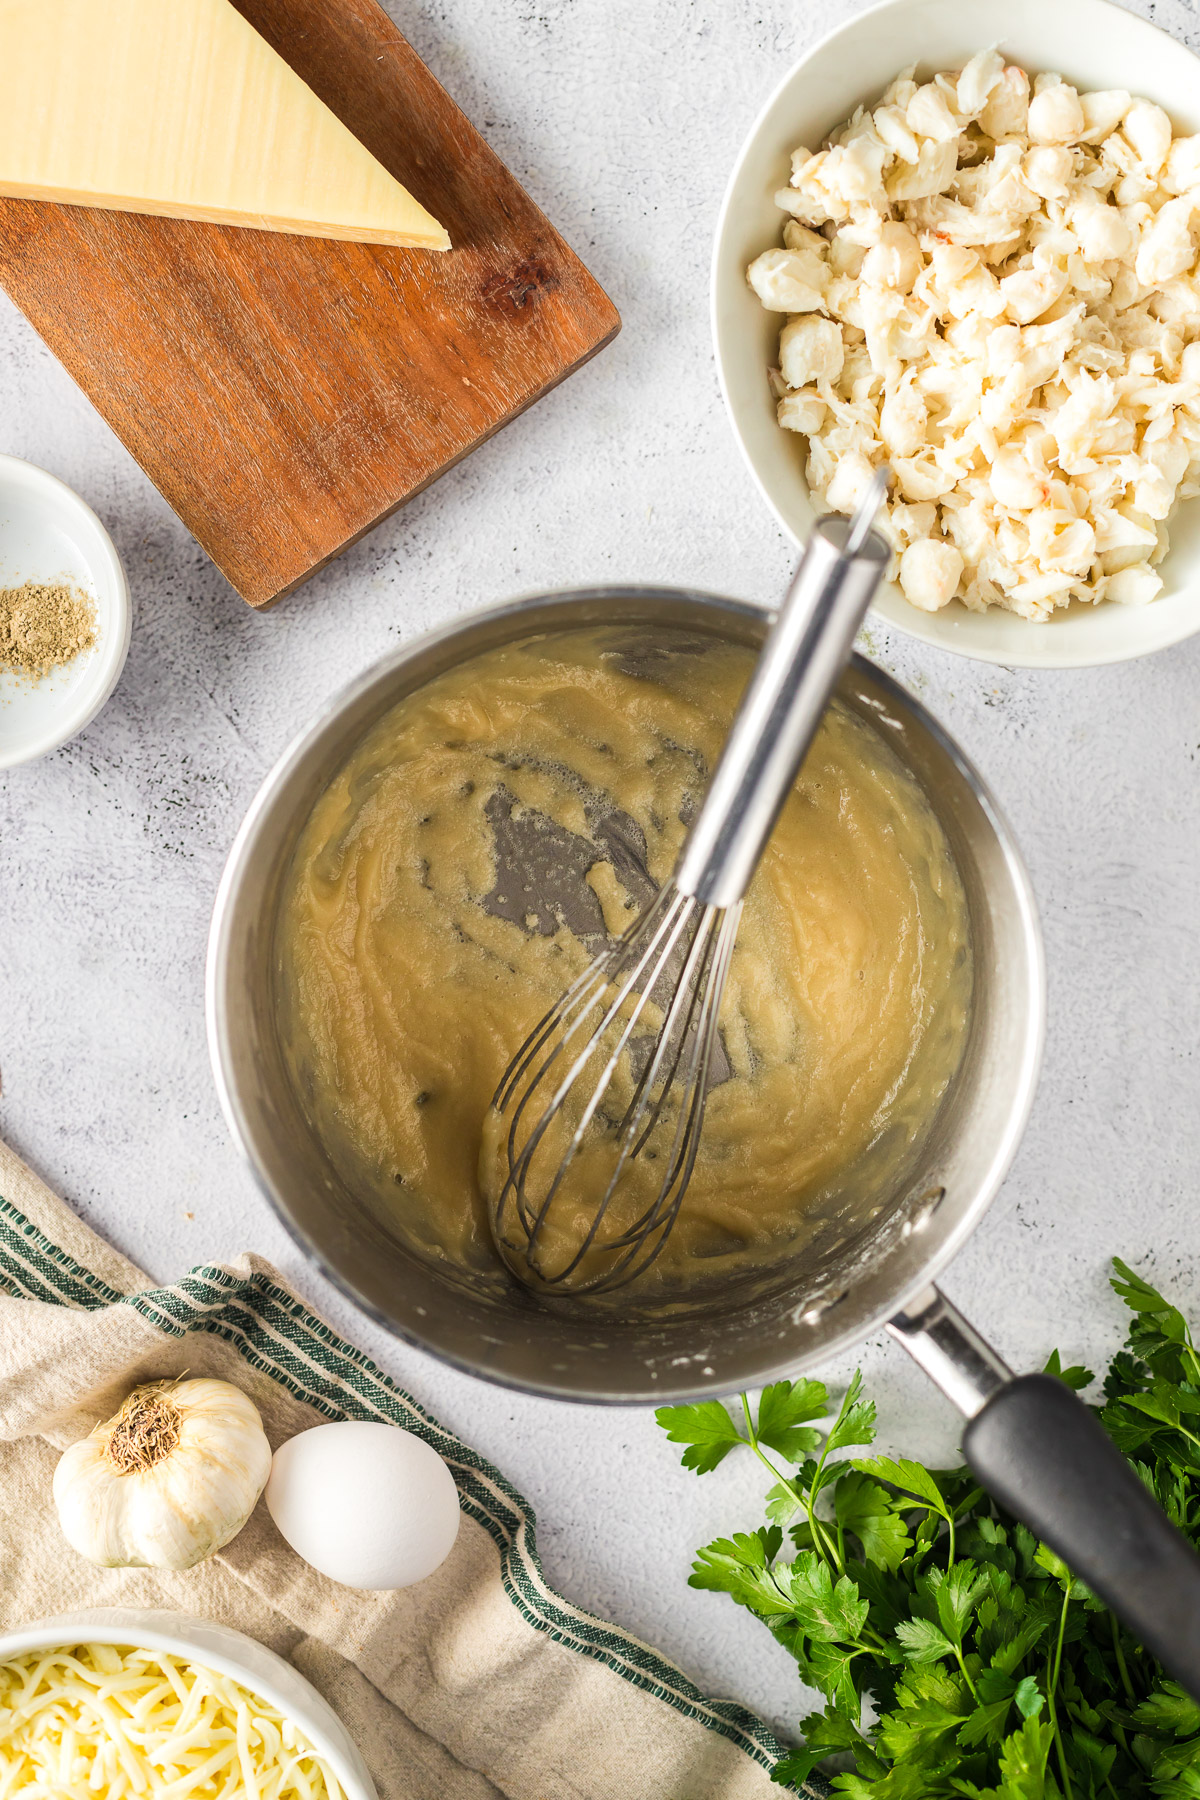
(179, 107)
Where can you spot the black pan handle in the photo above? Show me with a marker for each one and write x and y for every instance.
(1039, 1451)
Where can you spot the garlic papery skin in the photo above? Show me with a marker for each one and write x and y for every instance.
(167, 1480)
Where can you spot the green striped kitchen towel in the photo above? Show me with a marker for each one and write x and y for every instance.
(481, 1683)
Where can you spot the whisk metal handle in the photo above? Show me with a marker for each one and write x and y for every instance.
(805, 652)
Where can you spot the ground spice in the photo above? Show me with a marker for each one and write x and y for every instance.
(42, 626)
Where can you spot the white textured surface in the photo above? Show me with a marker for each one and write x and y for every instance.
(623, 123)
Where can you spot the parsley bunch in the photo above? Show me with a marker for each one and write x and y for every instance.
(957, 1655)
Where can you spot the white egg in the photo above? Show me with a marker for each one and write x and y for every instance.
(368, 1505)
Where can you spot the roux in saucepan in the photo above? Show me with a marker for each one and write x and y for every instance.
(491, 830)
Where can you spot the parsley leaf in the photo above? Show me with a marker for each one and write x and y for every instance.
(832, 1730)
(826, 1609)
(1168, 1708)
(784, 1411)
(1159, 1335)
(957, 1594)
(909, 1477)
(1023, 1763)
(782, 1504)
(933, 1703)
(986, 1724)
(1029, 1697)
(740, 1565)
(868, 1511)
(1075, 1377)
(900, 1783)
(922, 1641)
(707, 1430)
(830, 1668)
(855, 1423)
(794, 1768)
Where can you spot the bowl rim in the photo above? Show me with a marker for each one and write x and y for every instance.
(153, 1628)
(71, 719)
(922, 626)
(530, 606)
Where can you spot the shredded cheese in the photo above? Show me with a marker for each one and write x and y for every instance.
(94, 1719)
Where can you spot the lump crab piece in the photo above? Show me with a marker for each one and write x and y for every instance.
(1101, 232)
(1006, 113)
(928, 115)
(1147, 129)
(895, 260)
(978, 81)
(789, 281)
(1028, 292)
(1055, 113)
(1182, 169)
(804, 205)
(1048, 169)
(804, 411)
(1165, 248)
(810, 350)
(930, 571)
(1059, 542)
(931, 174)
(1135, 586)
(851, 481)
(894, 131)
(1103, 110)
(903, 419)
(1014, 484)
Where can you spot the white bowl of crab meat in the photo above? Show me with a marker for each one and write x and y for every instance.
(1038, 396)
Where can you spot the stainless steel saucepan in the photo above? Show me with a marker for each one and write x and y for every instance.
(873, 1263)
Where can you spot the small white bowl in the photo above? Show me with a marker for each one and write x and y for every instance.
(1093, 44)
(213, 1647)
(47, 533)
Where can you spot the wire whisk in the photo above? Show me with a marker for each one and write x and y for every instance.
(598, 1118)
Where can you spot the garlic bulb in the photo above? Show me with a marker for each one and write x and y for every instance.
(167, 1480)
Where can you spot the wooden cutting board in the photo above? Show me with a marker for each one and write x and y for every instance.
(287, 393)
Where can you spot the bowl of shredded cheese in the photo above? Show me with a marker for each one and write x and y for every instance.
(963, 237)
(131, 1703)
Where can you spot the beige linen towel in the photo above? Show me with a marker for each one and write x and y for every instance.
(480, 1683)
